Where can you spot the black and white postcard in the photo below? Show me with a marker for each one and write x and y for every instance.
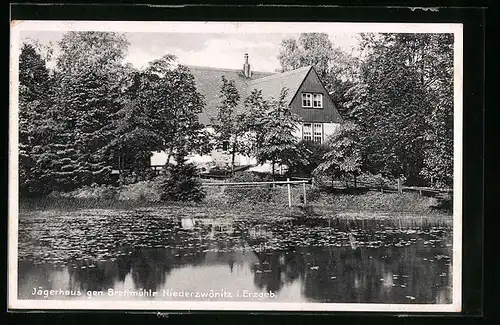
(267, 166)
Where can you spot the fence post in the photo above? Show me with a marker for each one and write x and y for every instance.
(304, 189)
(400, 189)
(289, 193)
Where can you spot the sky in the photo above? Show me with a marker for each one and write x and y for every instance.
(218, 50)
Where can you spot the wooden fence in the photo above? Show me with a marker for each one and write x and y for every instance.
(397, 188)
(288, 183)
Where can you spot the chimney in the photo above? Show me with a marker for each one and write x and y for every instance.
(246, 67)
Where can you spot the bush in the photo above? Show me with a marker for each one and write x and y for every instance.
(94, 191)
(378, 180)
(181, 183)
(141, 191)
(256, 194)
(249, 193)
(313, 194)
(375, 202)
(313, 153)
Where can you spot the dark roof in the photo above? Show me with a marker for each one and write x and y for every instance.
(271, 86)
(209, 81)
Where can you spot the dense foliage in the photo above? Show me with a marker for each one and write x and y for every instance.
(343, 156)
(181, 182)
(91, 116)
(36, 129)
(313, 155)
(399, 93)
(271, 126)
(228, 128)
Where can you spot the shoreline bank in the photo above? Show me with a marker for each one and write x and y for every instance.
(363, 206)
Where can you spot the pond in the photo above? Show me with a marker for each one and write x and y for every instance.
(188, 254)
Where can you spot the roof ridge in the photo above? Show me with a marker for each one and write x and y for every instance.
(224, 69)
(279, 75)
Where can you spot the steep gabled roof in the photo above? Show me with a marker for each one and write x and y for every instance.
(209, 81)
(271, 85)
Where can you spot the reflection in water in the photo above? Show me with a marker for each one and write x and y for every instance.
(316, 261)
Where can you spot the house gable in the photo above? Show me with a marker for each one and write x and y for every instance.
(303, 80)
(271, 86)
(312, 84)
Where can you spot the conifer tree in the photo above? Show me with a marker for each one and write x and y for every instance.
(37, 129)
(88, 95)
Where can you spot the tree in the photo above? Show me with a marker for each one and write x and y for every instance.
(88, 90)
(438, 78)
(344, 156)
(169, 95)
(313, 153)
(37, 128)
(181, 182)
(310, 49)
(252, 121)
(160, 106)
(275, 129)
(227, 124)
(133, 139)
(338, 70)
(403, 104)
(101, 51)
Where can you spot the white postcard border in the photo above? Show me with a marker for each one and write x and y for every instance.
(231, 27)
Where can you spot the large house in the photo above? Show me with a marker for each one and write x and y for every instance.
(307, 97)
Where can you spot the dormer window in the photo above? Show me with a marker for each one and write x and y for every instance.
(310, 100)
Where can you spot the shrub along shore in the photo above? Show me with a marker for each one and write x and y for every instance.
(320, 203)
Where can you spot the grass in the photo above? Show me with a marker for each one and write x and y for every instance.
(404, 203)
(347, 204)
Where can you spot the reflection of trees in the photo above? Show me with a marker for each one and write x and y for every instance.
(326, 263)
(275, 269)
(99, 277)
(31, 276)
(151, 266)
(341, 274)
(326, 274)
(358, 277)
(124, 265)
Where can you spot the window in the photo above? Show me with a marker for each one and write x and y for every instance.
(318, 132)
(225, 145)
(312, 100)
(307, 132)
(306, 100)
(318, 100)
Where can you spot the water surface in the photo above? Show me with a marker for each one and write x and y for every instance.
(187, 254)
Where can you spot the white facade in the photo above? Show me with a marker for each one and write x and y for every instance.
(222, 158)
(329, 129)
